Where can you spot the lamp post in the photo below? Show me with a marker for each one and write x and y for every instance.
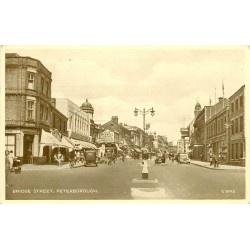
(144, 113)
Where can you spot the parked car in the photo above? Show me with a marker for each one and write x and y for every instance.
(183, 158)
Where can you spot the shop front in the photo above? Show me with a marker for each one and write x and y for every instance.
(53, 149)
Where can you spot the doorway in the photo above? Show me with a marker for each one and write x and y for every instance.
(28, 149)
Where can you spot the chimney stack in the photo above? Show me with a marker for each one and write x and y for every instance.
(114, 119)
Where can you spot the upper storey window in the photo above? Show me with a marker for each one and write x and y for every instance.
(31, 78)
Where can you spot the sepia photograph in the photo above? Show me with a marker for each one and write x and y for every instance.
(125, 123)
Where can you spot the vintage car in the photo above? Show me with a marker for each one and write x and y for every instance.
(183, 158)
(91, 159)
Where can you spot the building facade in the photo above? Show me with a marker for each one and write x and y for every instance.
(78, 122)
(28, 107)
(216, 131)
(236, 127)
(183, 146)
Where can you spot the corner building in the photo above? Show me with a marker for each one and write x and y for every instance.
(28, 108)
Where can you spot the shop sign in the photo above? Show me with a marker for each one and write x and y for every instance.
(107, 137)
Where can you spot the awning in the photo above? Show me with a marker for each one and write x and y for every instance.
(84, 144)
(137, 150)
(50, 140)
(88, 145)
(67, 142)
(117, 147)
(144, 150)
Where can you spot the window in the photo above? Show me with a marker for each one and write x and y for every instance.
(30, 109)
(46, 114)
(236, 104)
(241, 150)
(41, 112)
(241, 123)
(236, 151)
(42, 84)
(31, 80)
(232, 151)
(232, 127)
(10, 142)
(241, 102)
(232, 107)
(222, 125)
(236, 125)
(47, 88)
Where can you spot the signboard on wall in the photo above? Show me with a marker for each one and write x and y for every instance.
(184, 132)
(107, 137)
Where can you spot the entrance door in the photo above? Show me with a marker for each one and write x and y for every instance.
(27, 148)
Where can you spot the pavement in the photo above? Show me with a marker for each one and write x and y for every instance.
(205, 164)
(26, 167)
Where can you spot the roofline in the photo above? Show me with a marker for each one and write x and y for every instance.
(28, 57)
(243, 86)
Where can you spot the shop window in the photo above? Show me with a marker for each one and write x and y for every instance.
(10, 142)
(31, 80)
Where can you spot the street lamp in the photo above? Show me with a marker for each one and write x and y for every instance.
(144, 113)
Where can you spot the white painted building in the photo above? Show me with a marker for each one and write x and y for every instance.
(183, 146)
(78, 120)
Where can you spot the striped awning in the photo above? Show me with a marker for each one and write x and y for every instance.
(49, 140)
(137, 150)
(84, 144)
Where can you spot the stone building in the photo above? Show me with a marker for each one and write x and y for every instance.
(78, 123)
(28, 109)
(216, 131)
(236, 127)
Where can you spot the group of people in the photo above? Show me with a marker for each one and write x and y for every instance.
(214, 160)
(9, 160)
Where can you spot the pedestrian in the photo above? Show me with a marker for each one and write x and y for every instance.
(216, 161)
(202, 157)
(11, 159)
(211, 159)
(82, 157)
(7, 167)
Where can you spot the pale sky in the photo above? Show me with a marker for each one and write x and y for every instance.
(118, 79)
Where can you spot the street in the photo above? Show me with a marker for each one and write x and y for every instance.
(181, 181)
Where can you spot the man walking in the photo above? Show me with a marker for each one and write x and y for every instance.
(7, 167)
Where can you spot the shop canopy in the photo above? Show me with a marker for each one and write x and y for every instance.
(47, 139)
(137, 150)
(67, 142)
(117, 147)
(84, 144)
(144, 150)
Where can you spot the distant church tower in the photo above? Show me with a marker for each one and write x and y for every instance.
(197, 109)
(88, 108)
